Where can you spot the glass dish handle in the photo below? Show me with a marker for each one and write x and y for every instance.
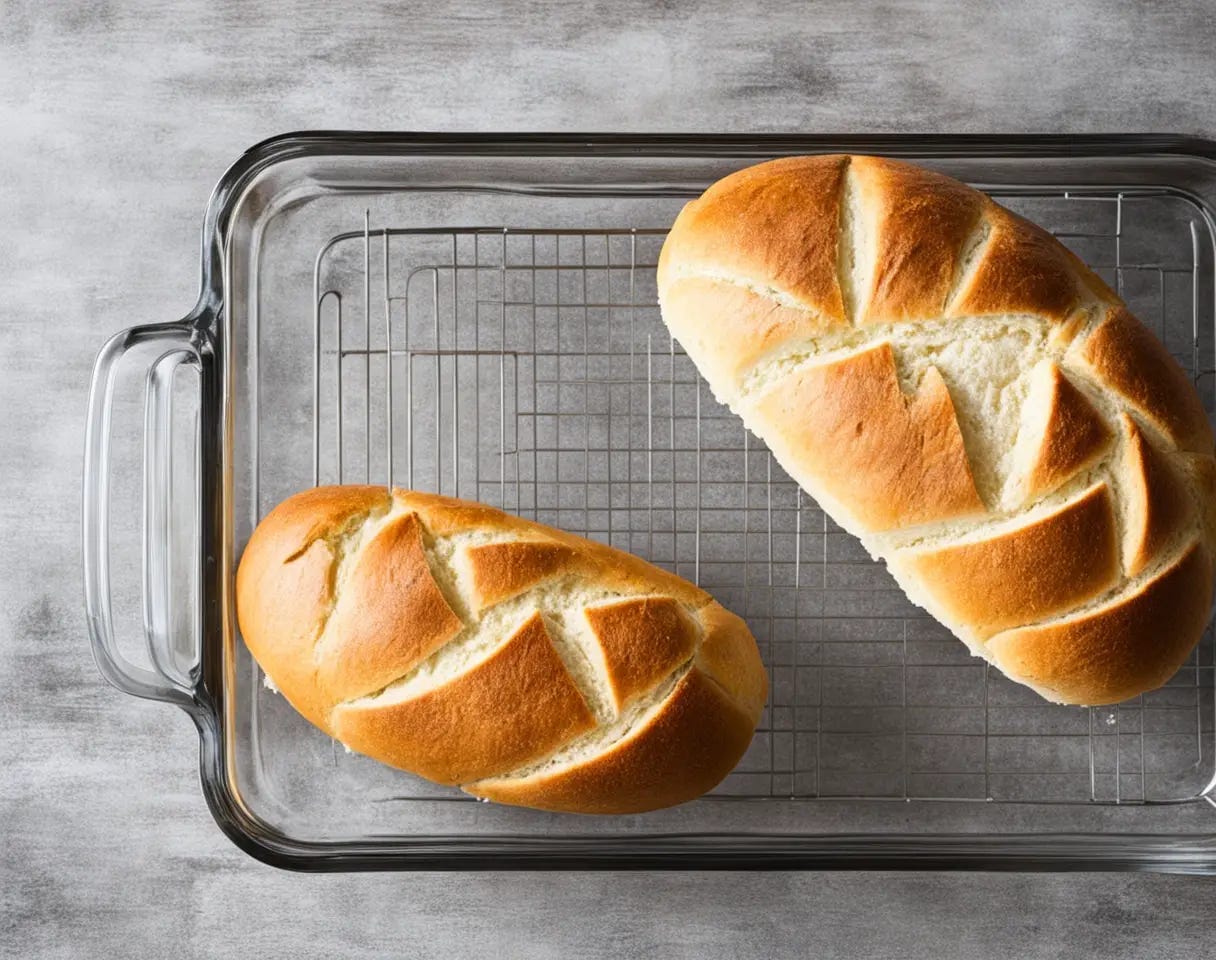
(163, 681)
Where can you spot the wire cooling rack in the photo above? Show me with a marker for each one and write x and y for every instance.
(530, 369)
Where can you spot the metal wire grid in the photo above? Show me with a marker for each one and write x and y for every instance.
(530, 369)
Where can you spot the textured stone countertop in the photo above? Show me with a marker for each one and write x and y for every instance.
(116, 119)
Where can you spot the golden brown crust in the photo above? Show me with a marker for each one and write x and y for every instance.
(1132, 644)
(1023, 574)
(683, 748)
(1020, 269)
(1066, 433)
(741, 227)
(733, 663)
(281, 609)
(515, 706)
(728, 329)
(284, 585)
(318, 513)
(634, 667)
(921, 221)
(446, 516)
(391, 579)
(500, 571)
(831, 424)
(1126, 357)
(610, 568)
(390, 616)
(1157, 505)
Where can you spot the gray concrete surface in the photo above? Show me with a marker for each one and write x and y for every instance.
(115, 120)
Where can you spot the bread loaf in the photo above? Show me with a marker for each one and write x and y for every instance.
(473, 648)
(958, 390)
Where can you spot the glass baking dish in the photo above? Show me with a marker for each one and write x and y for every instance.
(476, 315)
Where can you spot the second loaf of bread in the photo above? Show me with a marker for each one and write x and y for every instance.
(957, 389)
(477, 649)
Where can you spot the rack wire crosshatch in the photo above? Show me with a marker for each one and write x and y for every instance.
(530, 369)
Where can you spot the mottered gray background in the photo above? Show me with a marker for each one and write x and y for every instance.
(116, 118)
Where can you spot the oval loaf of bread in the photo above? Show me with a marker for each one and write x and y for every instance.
(958, 390)
(526, 665)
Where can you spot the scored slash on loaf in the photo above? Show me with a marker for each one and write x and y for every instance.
(958, 390)
(524, 664)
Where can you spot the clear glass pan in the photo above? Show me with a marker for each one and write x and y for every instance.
(475, 315)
